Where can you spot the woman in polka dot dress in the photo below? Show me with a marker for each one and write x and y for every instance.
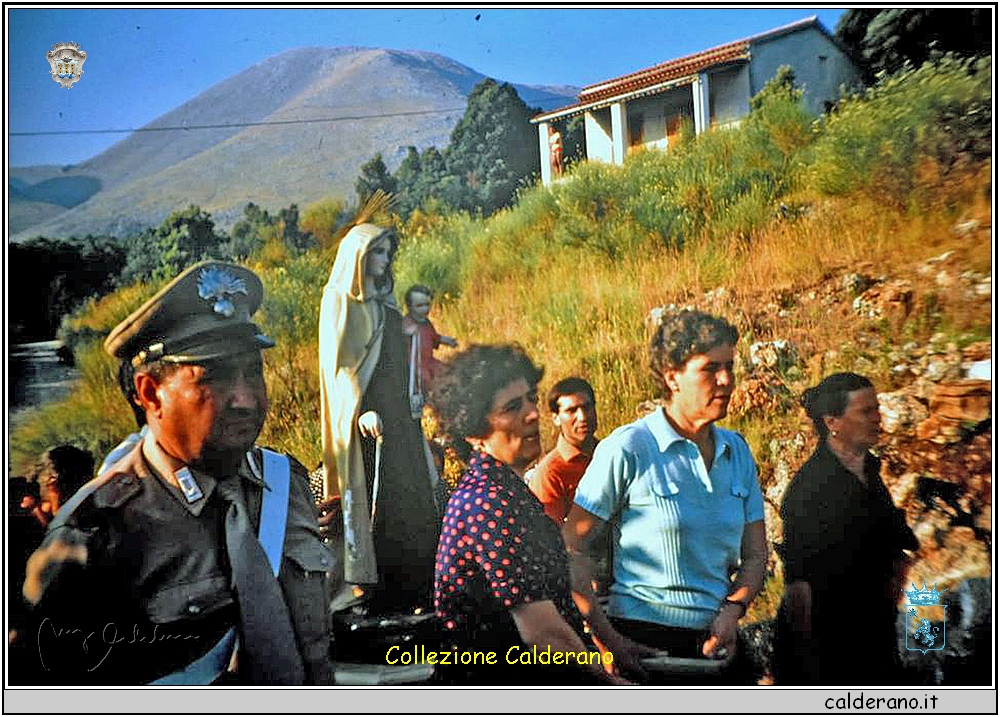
(502, 582)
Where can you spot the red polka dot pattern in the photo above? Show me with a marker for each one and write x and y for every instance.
(482, 572)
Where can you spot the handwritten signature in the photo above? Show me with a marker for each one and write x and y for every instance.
(102, 642)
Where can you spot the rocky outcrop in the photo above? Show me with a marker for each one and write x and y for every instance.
(760, 393)
(891, 299)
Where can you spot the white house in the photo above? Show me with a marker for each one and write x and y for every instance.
(713, 88)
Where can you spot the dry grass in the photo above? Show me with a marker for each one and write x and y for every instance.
(579, 312)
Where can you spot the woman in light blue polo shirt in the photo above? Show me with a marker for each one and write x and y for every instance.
(685, 508)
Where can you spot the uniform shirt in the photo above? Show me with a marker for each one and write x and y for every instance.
(677, 528)
(138, 583)
(555, 478)
(498, 550)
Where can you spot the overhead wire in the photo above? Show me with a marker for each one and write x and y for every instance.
(234, 125)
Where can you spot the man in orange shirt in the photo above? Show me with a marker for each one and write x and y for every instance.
(574, 412)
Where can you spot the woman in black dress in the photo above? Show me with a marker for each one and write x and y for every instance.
(843, 548)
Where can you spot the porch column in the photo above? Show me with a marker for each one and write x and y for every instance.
(699, 90)
(543, 152)
(619, 132)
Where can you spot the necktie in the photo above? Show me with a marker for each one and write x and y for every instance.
(269, 655)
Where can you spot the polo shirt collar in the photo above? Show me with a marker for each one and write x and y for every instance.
(567, 451)
(666, 435)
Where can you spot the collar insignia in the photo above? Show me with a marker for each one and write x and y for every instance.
(190, 487)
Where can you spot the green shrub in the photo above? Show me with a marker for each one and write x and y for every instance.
(876, 142)
(434, 250)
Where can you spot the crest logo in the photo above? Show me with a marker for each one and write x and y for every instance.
(66, 60)
(926, 619)
(218, 286)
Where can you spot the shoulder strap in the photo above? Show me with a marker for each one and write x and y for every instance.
(88, 489)
(207, 668)
(274, 507)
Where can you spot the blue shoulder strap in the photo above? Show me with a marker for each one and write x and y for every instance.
(271, 534)
(207, 668)
(274, 508)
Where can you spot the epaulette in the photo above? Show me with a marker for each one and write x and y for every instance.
(110, 490)
(117, 490)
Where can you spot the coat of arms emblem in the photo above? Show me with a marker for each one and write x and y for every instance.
(66, 60)
(926, 619)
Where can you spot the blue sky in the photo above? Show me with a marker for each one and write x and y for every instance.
(142, 63)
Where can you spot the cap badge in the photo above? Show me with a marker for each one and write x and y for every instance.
(218, 285)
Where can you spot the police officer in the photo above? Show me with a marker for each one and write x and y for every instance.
(196, 558)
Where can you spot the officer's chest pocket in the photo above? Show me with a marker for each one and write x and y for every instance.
(303, 579)
(308, 556)
(189, 600)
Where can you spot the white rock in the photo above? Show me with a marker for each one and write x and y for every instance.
(981, 370)
(967, 227)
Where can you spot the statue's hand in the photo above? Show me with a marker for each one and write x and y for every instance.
(370, 424)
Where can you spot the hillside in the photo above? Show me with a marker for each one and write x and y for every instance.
(394, 99)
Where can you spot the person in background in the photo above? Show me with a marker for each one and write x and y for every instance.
(422, 340)
(25, 531)
(555, 151)
(196, 558)
(574, 412)
(842, 537)
(686, 509)
(60, 472)
(502, 580)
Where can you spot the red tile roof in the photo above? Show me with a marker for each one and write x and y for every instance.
(666, 71)
(676, 69)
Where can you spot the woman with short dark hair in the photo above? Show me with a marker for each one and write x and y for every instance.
(685, 507)
(843, 543)
(502, 582)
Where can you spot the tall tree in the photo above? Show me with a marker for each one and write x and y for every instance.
(494, 147)
(888, 39)
(183, 238)
(295, 237)
(374, 176)
(408, 186)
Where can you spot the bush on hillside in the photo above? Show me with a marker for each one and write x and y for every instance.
(434, 249)
(877, 142)
(323, 218)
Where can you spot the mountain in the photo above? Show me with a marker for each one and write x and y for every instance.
(315, 115)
